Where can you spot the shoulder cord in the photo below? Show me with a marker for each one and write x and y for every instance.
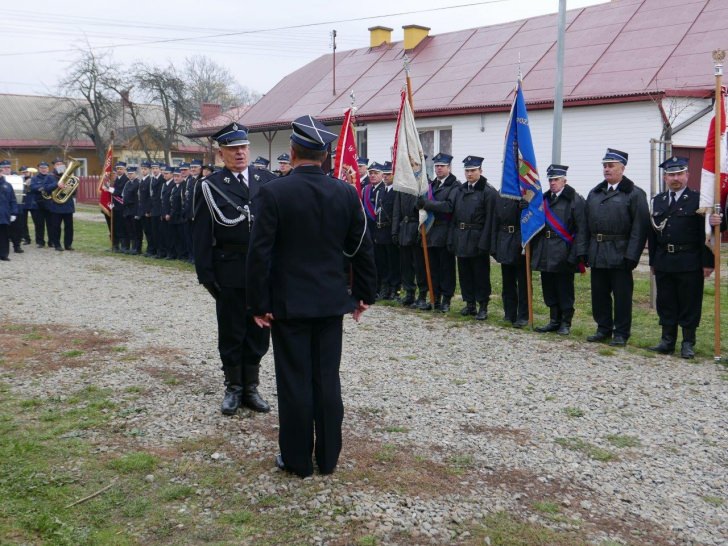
(661, 226)
(217, 214)
(363, 233)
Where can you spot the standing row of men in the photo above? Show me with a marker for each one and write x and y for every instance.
(606, 232)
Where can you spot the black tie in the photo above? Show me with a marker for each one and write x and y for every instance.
(611, 189)
(672, 198)
(553, 198)
(242, 180)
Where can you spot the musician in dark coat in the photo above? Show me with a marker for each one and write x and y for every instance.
(406, 235)
(168, 250)
(130, 195)
(442, 261)
(297, 286)
(60, 214)
(507, 250)
(469, 238)
(226, 206)
(679, 258)
(618, 220)
(39, 212)
(558, 248)
(8, 215)
(121, 238)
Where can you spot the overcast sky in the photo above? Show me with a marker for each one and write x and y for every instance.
(38, 40)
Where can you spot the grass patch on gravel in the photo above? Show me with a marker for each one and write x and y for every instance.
(623, 441)
(503, 529)
(593, 452)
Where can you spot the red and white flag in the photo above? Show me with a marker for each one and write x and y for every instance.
(707, 180)
(346, 156)
(103, 189)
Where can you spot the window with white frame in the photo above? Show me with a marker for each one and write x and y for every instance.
(434, 141)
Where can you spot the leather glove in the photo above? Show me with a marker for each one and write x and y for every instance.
(523, 204)
(213, 288)
(630, 264)
(420, 202)
(395, 239)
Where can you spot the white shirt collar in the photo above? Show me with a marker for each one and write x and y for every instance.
(678, 194)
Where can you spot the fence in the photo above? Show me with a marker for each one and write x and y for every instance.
(87, 191)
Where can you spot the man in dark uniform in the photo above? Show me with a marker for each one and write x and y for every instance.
(558, 248)
(297, 286)
(679, 258)
(14, 230)
(176, 216)
(470, 236)
(261, 163)
(121, 239)
(618, 220)
(168, 250)
(60, 213)
(362, 163)
(190, 189)
(8, 215)
(154, 246)
(442, 261)
(25, 172)
(39, 213)
(371, 197)
(284, 165)
(221, 230)
(130, 195)
(392, 278)
(144, 207)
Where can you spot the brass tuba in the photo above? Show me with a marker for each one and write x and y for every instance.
(70, 184)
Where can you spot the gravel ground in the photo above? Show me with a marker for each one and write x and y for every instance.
(512, 406)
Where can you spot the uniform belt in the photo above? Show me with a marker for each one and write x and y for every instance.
(406, 219)
(510, 229)
(609, 237)
(463, 225)
(440, 223)
(383, 224)
(672, 248)
(229, 247)
(548, 234)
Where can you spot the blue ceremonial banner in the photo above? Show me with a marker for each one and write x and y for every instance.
(520, 175)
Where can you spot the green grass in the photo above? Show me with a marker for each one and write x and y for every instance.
(590, 450)
(573, 412)
(622, 441)
(505, 530)
(715, 501)
(72, 354)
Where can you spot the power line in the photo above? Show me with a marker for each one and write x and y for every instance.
(256, 31)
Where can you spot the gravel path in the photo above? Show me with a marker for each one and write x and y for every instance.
(522, 411)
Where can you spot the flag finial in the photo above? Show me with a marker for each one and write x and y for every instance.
(352, 96)
(718, 56)
(406, 61)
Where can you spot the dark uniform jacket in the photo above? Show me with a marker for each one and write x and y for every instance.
(155, 195)
(37, 183)
(176, 203)
(382, 234)
(118, 194)
(505, 235)
(472, 216)
(51, 183)
(442, 207)
(220, 251)
(680, 245)
(145, 196)
(550, 252)
(305, 278)
(189, 186)
(8, 203)
(405, 219)
(165, 199)
(130, 194)
(621, 219)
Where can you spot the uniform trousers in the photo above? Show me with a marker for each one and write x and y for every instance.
(394, 279)
(153, 245)
(242, 344)
(307, 355)
(611, 295)
(558, 290)
(680, 298)
(4, 241)
(54, 229)
(16, 231)
(514, 291)
(178, 248)
(412, 266)
(187, 237)
(130, 228)
(442, 270)
(382, 263)
(146, 223)
(474, 274)
(165, 238)
(39, 216)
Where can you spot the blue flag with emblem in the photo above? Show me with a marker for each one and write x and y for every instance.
(520, 175)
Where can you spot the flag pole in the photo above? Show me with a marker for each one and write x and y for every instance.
(718, 56)
(423, 230)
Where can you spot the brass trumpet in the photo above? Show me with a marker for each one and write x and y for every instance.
(70, 184)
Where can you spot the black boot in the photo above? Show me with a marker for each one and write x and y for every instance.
(445, 305)
(233, 390)
(251, 398)
(394, 294)
(687, 348)
(553, 324)
(469, 309)
(424, 302)
(438, 303)
(419, 301)
(667, 342)
(565, 327)
(482, 311)
(409, 298)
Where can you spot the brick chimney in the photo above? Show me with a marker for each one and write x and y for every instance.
(379, 36)
(209, 110)
(414, 34)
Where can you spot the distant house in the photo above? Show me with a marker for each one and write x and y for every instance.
(29, 133)
(637, 73)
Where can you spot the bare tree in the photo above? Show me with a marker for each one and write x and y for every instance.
(89, 105)
(209, 82)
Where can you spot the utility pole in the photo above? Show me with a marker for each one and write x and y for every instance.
(333, 47)
(559, 87)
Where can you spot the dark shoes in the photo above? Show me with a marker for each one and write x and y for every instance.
(4, 258)
(424, 305)
(252, 400)
(18, 250)
(520, 323)
(469, 309)
(687, 350)
(564, 329)
(550, 327)
(618, 341)
(482, 313)
(664, 347)
(59, 248)
(445, 305)
(232, 400)
(70, 248)
(280, 464)
(598, 337)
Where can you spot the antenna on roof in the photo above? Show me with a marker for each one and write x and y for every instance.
(353, 100)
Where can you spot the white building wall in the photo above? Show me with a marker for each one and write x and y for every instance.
(681, 109)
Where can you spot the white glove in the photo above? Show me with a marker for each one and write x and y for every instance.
(12, 218)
